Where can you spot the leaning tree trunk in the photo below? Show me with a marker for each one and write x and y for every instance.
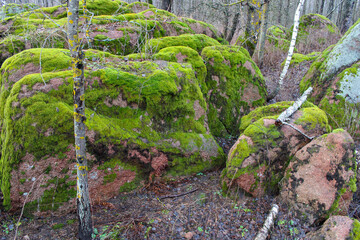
(259, 52)
(291, 51)
(77, 56)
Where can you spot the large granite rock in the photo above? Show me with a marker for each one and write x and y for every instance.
(321, 178)
(257, 161)
(335, 77)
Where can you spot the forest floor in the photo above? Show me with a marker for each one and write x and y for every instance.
(192, 207)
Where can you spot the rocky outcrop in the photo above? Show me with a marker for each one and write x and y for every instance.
(316, 33)
(337, 227)
(235, 87)
(335, 77)
(143, 118)
(117, 27)
(257, 161)
(321, 178)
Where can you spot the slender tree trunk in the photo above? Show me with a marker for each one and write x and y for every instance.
(259, 52)
(322, 7)
(347, 18)
(331, 6)
(167, 5)
(287, 10)
(291, 51)
(77, 56)
(234, 26)
(280, 12)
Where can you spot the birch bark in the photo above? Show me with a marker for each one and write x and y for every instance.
(291, 50)
(77, 56)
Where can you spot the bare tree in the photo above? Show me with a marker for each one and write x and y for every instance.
(77, 56)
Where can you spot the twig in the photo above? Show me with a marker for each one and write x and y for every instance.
(178, 195)
(334, 8)
(22, 210)
(269, 222)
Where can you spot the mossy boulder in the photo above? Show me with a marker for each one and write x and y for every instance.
(257, 161)
(195, 41)
(235, 87)
(143, 118)
(316, 33)
(277, 31)
(137, 7)
(117, 27)
(337, 227)
(335, 78)
(321, 179)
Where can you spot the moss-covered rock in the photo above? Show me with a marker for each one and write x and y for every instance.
(235, 86)
(336, 227)
(277, 31)
(145, 117)
(316, 33)
(257, 161)
(195, 41)
(336, 80)
(327, 167)
(117, 27)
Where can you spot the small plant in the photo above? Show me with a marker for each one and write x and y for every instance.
(243, 230)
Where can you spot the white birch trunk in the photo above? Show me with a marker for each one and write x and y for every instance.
(292, 44)
(291, 51)
(269, 222)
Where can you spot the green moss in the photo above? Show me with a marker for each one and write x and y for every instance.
(194, 41)
(277, 31)
(299, 58)
(48, 169)
(185, 54)
(313, 117)
(109, 178)
(127, 105)
(231, 73)
(355, 231)
(71, 221)
(312, 76)
(269, 110)
(57, 226)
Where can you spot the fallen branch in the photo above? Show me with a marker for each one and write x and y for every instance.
(178, 195)
(284, 116)
(269, 222)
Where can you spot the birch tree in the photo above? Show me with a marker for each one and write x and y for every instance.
(291, 51)
(77, 56)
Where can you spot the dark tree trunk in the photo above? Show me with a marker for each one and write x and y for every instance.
(167, 5)
(280, 12)
(322, 7)
(347, 17)
(331, 7)
(234, 26)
